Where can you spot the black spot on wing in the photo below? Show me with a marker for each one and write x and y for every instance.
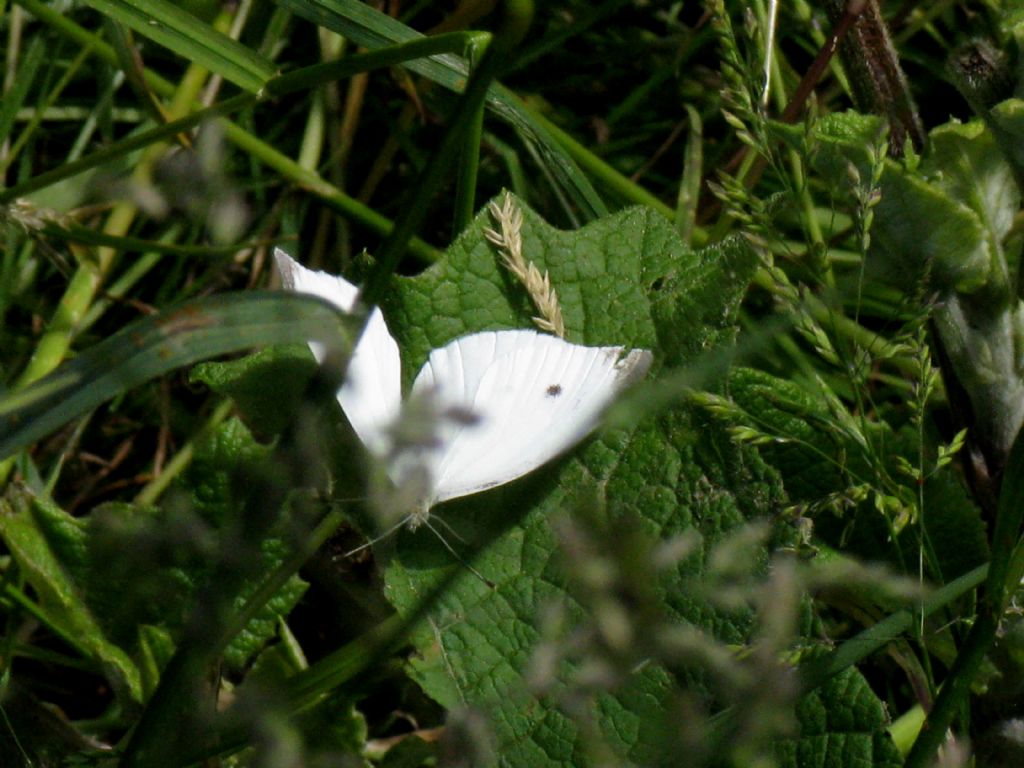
(554, 390)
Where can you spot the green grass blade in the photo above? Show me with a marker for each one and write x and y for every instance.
(194, 331)
(300, 79)
(372, 29)
(404, 53)
(1006, 536)
(184, 34)
(83, 37)
(130, 62)
(12, 101)
(312, 182)
(77, 233)
(123, 147)
(873, 639)
(689, 188)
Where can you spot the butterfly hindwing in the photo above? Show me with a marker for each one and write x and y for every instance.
(371, 396)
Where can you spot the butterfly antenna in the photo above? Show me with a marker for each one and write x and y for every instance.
(456, 555)
(378, 538)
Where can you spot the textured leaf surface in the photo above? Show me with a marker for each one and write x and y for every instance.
(212, 480)
(808, 458)
(99, 578)
(923, 227)
(50, 548)
(623, 280)
(266, 386)
(150, 566)
(840, 725)
(815, 461)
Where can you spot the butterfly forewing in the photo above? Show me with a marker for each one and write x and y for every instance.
(534, 397)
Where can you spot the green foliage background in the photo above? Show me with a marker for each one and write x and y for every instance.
(795, 541)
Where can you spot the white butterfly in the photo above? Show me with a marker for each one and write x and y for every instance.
(531, 396)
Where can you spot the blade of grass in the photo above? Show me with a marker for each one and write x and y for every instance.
(516, 20)
(299, 80)
(15, 98)
(469, 164)
(40, 112)
(815, 672)
(405, 54)
(76, 233)
(588, 161)
(129, 277)
(122, 147)
(689, 186)
(372, 29)
(286, 166)
(513, 166)
(184, 34)
(130, 61)
(83, 37)
(196, 330)
(94, 267)
(1006, 536)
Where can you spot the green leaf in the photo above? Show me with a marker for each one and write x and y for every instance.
(812, 461)
(965, 163)
(841, 724)
(151, 566)
(626, 280)
(815, 461)
(266, 386)
(102, 577)
(919, 228)
(955, 528)
(50, 548)
(331, 728)
(180, 31)
(946, 219)
(212, 482)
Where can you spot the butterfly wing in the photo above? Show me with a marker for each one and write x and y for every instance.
(534, 397)
(372, 393)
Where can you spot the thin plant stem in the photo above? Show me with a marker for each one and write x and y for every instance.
(309, 180)
(604, 173)
(469, 165)
(957, 685)
(39, 113)
(92, 270)
(156, 487)
(432, 177)
(820, 669)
